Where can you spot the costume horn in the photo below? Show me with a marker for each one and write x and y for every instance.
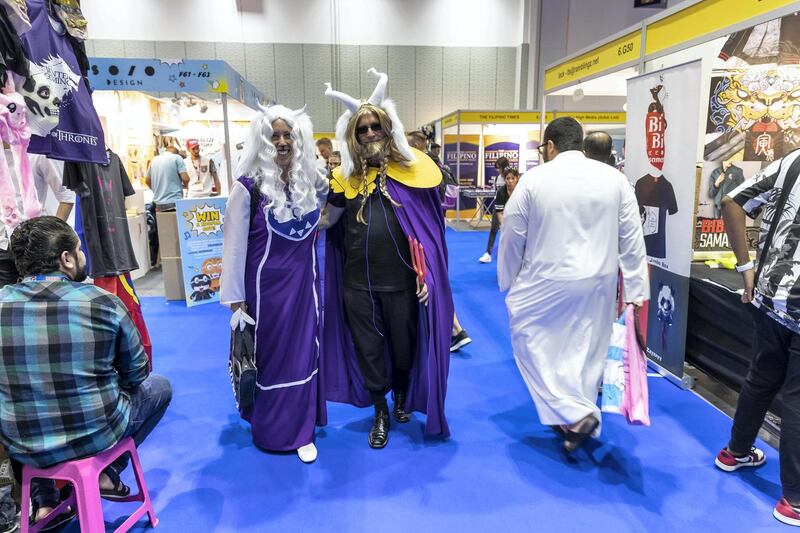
(349, 102)
(380, 90)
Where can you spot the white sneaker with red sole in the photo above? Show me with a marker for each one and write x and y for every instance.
(730, 463)
(787, 514)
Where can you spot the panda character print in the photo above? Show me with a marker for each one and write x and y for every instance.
(201, 288)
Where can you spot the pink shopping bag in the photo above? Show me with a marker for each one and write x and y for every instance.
(635, 400)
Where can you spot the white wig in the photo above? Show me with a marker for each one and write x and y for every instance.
(306, 184)
(352, 105)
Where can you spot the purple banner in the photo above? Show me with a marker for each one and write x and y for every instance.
(497, 147)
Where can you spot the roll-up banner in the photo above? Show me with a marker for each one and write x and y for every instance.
(662, 148)
(200, 227)
(468, 167)
(495, 147)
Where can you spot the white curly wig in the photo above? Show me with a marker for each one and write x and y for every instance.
(306, 185)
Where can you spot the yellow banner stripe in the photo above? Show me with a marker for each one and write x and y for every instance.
(604, 57)
(705, 18)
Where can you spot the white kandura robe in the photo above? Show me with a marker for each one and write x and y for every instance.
(568, 227)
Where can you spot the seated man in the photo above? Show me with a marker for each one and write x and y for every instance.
(74, 377)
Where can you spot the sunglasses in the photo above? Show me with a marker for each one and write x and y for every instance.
(375, 127)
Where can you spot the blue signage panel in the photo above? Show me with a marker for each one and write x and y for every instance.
(157, 75)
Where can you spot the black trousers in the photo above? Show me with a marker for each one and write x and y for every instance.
(776, 367)
(8, 270)
(378, 321)
(493, 232)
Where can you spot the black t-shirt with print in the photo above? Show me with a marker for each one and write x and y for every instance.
(376, 253)
(102, 190)
(656, 199)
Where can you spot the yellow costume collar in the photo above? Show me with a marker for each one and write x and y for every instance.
(423, 174)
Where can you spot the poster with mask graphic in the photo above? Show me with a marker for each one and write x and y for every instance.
(753, 119)
(200, 226)
(661, 153)
(495, 147)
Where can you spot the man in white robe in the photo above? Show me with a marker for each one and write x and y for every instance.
(570, 226)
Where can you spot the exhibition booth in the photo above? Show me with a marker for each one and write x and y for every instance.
(712, 97)
(473, 141)
(147, 104)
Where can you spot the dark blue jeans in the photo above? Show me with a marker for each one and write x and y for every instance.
(149, 402)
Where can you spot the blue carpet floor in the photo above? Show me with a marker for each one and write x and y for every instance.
(500, 471)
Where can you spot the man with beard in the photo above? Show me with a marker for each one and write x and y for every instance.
(386, 194)
(570, 227)
(75, 379)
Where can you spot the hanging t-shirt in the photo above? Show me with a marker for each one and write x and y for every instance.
(102, 190)
(656, 199)
(78, 136)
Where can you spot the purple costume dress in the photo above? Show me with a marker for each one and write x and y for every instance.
(283, 295)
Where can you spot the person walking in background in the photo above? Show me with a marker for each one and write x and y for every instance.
(166, 177)
(203, 179)
(598, 146)
(770, 288)
(325, 149)
(570, 226)
(501, 198)
(501, 165)
(334, 162)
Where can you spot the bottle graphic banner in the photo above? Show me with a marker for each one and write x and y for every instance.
(661, 152)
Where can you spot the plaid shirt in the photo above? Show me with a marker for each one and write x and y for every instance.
(67, 352)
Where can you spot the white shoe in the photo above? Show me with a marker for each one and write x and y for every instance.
(307, 453)
(485, 258)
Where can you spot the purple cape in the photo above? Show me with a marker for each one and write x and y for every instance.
(420, 217)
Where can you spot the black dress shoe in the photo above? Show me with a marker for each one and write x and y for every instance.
(579, 432)
(379, 434)
(399, 412)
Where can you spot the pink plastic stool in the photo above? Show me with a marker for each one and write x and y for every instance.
(84, 474)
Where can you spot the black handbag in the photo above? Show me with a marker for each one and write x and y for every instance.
(242, 361)
(242, 367)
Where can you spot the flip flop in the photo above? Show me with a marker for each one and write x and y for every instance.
(574, 438)
(118, 493)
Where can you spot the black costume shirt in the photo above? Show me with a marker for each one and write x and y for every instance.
(102, 190)
(376, 253)
(656, 199)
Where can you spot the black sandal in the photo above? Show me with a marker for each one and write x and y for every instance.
(118, 493)
(585, 427)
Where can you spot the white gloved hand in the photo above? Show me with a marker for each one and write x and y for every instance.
(240, 319)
